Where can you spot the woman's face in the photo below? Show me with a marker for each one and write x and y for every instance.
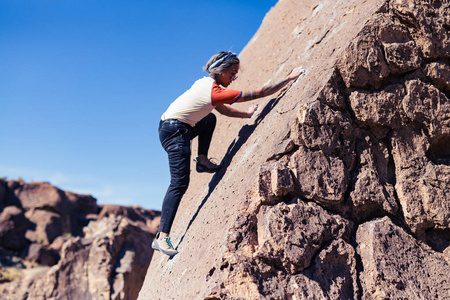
(228, 76)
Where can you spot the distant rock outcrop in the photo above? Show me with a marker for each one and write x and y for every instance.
(340, 187)
(61, 245)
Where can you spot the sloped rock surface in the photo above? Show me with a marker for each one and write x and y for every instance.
(61, 245)
(339, 188)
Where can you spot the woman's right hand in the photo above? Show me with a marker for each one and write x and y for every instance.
(296, 73)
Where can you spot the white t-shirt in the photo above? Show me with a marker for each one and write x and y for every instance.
(197, 102)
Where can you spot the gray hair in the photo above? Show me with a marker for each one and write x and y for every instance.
(220, 62)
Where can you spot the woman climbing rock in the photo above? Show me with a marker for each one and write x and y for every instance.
(190, 116)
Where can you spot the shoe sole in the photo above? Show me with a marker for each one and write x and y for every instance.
(203, 169)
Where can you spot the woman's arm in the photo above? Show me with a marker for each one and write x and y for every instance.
(235, 113)
(271, 88)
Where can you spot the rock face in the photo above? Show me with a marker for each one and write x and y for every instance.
(61, 245)
(340, 187)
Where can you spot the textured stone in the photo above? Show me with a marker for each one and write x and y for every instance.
(372, 194)
(320, 127)
(48, 226)
(13, 226)
(439, 75)
(109, 265)
(381, 108)
(321, 178)
(363, 63)
(333, 93)
(274, 181)
(396, 266)
(2, 191)
(41, 195)
(107, 261)
(83, 204)
(421, 186)
(291, 235)
(426, 106)
(429, 23)
(37, 253)
(333, 275)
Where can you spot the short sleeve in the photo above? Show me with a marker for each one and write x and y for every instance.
(220, 95)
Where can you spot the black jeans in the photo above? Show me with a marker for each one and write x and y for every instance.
(175, 137)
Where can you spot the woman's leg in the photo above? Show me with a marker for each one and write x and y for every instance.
(204, 129)
(175, 139)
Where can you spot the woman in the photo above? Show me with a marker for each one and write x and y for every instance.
(190, 116)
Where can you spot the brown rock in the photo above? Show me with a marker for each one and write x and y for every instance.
(363, 63)
(58, 243)
(110, 263)
(291, 235)
(281, 149)
(320, 127)
(287, 248)
(401, 52)
(402, 57)
(41, 195)
(428, 24)
(381, 108)
(148, 217)
(12, 184)
(426, 106)
(397, 266)
(13, 226)
(333, 275)
(83, 204)
(321, 178)
(333, 93)
(439, 74)
(422, 187)
(372, 194)
(48, 226)
(72, 208)
(275, 181)
(38, 253)
(2, 190)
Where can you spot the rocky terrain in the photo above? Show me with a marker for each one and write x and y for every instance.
(340, 187)
(56, 244)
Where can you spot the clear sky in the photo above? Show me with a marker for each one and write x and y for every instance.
(83, 85)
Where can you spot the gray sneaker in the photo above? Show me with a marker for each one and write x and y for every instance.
(166, 242)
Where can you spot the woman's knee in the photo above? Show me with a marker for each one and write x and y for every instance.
(181, 183)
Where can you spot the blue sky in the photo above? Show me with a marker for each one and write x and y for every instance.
(83, 85)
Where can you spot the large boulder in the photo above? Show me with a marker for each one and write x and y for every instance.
(41, 195)
(82, 204)
(13, 226)
(311, 188)
(48, 226)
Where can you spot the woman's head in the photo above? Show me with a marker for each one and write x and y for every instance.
(223, 67)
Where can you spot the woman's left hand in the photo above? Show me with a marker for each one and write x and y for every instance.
(252, 110)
